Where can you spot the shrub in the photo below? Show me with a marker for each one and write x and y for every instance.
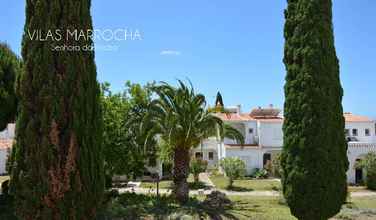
(197, 166)
(261, 174)
(217, 200)
(233, 167)
(369, 164)
(276, 166)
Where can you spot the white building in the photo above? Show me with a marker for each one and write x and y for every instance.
(6, 141)
(262, 129)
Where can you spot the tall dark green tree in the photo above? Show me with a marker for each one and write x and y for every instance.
(10, 67)
(58, 170)
(314, 157)
(219, 100)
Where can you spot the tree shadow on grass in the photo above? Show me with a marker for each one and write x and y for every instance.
(197, 185)
(238, 189)
(137, 206)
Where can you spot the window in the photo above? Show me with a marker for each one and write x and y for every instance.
(211, 155)
(367, 132)
(250, 130)
(198, 155)
(355, 132)
(347, 132)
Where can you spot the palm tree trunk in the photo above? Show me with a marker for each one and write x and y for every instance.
(180, 174)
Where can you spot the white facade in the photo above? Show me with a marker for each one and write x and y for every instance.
(359, 131)
(6, 138)
(264, 137)
(356, 151)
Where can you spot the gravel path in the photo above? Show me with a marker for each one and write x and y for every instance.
(227, 192)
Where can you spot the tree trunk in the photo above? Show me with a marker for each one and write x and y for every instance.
(180, 174)
(231, 182)
(196, 178)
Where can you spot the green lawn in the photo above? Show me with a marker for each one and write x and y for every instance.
(132, 206)
(358, 189)
(167, 184)
(221, 182)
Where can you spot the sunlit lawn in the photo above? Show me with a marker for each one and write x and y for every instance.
(358, 189)
(222, 182)
(274, 208)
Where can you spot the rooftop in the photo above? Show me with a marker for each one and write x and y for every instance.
(236, 117)
(349, 117)
(6, 143)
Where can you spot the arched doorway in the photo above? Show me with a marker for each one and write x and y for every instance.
(267, 157)
(358, 173)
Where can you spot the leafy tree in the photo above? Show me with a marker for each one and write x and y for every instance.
(181, 121)
(58, 171)
(127, 150)
(10, 68)
(369, 164)
(198, 166)
(314, 157)
(234, 168)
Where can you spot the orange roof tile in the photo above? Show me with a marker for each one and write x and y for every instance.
(234, 117)
(349, 117)
(247, 117)
(6, 143)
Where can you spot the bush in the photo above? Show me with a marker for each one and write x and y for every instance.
(276, 166)
(217, 200)
(233, 167)
(197, 166)
(261, 174)
(369, 164)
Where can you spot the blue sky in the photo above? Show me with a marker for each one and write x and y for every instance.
(235, 47)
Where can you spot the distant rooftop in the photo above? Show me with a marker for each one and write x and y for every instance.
(271, 114)
(6, 143)
(349, 117)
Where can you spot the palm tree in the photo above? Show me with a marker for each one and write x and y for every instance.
(180, 119)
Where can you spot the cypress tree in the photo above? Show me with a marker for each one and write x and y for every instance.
(219, 100)
(58, 170)
(314, 157)
(10, 67)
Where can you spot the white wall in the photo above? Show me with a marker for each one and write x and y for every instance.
(270, 134)
(361, 126)
(3, 159)
(8, 133)
(250, 138)
(357, 151)
(250, 155)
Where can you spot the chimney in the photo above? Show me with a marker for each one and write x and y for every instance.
(238, 109)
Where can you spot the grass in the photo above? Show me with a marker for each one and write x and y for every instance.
(168, 184)
(245, 185)
(132, 206)
(358, 189)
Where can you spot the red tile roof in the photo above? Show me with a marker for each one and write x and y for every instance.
(349, 117)
(247, 117)
(6, 144)
(234, 117)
